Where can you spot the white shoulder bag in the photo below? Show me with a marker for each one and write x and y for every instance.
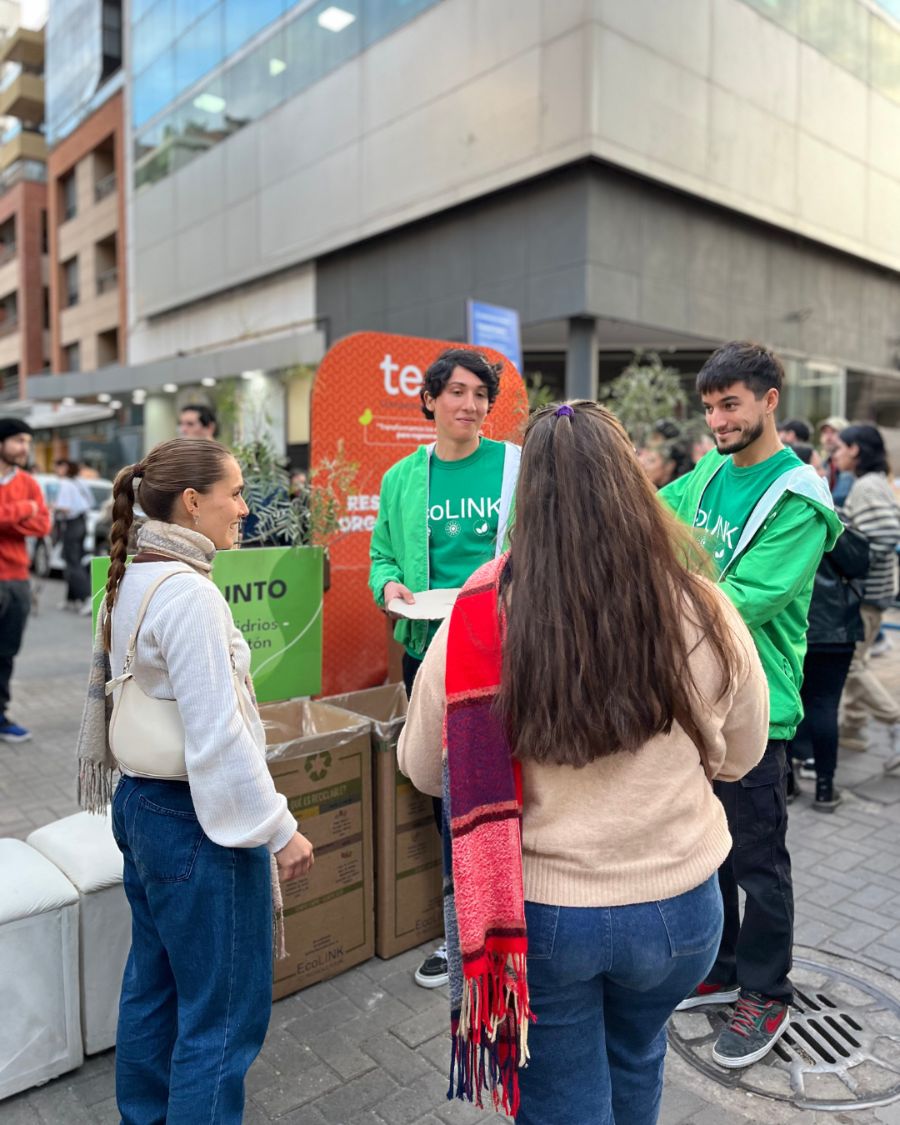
(146, 735)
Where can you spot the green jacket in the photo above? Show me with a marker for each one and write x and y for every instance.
(770, 575)
(399, 546)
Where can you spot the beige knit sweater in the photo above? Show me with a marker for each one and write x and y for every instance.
(627, 828)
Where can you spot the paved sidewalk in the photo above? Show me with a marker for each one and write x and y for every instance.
(369, 1047)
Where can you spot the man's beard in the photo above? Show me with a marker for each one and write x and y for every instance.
(17, 460)
(748, 437)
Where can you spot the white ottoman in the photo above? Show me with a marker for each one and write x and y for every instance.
(40, 1030)
(83, 848)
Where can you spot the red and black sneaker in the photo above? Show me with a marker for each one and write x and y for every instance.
(709, 992)
(755, 1027)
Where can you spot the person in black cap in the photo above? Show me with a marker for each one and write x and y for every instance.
(23, 513)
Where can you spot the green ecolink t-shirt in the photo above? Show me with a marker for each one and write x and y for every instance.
(463, 514)
(729, 499)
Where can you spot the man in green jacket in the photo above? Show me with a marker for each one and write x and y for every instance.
(765, 519)
(443, 512)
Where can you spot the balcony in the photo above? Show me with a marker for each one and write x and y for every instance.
(24, 46)
(107, 280)
(24, 98)
(8, 325)
(8, 251)
(24, 145)
(29, 170)
(104, 187)
(9, 280)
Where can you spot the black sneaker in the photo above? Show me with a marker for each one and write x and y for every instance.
(434, 970)
(709, 992)
(808, 769)
(755, 1027)
(827, 796)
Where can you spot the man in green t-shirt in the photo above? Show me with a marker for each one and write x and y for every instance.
(443, 512)
(765, 519)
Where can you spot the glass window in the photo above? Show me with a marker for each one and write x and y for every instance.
(384, 16)
(199, 124)
(68, 195)
(243, 20)
(153, 89)
(140, 8)
(112, 36)
(70, 277)
(153, 34)
(199, 50)
(874, 398)
(839, 30)
(72, 353)
(320, 40)
(892, 7)
(152, 153)
(256, 83)
(189, 11)
(884, 58)
(311, 44)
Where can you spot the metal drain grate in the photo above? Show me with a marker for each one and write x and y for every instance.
(841, 1050)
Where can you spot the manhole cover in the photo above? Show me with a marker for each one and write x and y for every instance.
(841, 1051)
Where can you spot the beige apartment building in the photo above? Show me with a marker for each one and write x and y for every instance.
(24, 340)
(86, 218)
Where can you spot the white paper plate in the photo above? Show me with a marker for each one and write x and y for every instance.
(430, 605)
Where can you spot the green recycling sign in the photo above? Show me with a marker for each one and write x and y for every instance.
(275, 596)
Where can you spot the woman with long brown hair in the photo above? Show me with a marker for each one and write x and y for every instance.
(573, 709)
(195, 812)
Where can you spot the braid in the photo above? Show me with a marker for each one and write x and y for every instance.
(123, 518)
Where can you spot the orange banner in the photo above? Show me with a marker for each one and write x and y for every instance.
(366, 409)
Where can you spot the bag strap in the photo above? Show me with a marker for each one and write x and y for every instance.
(139, 620)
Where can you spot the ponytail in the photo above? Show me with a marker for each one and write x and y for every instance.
(123, 518)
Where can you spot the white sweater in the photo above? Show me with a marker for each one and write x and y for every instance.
(184, 653)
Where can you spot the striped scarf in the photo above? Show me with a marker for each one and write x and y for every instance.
(484, 906)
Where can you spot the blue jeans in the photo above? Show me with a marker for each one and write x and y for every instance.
(603, 983)
(197, 991)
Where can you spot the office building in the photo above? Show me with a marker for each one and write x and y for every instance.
(626, 174)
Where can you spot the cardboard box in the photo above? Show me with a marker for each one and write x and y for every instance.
(320, 758)
(409, 906)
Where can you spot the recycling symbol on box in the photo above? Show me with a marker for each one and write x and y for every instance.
(317, 765)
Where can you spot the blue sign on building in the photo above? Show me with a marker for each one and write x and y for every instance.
(492, 326)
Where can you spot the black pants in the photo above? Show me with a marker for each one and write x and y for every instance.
(411, 665)
(78, 584)
(15, 605)
(756, 953)
(824, 673)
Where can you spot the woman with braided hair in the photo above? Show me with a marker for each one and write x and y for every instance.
(197, 839)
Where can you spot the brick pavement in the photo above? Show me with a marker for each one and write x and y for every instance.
(369, 1047)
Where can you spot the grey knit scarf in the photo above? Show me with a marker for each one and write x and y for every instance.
(96, 765)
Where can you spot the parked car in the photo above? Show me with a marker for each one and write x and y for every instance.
(47, 556)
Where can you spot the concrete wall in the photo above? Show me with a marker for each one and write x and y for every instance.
(267, 308)
(524, 248)
(713, 97)
(595, 241)
(475, 95)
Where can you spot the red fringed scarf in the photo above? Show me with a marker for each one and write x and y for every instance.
(490, 1011)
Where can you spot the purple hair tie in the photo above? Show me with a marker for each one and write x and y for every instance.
(565, 411)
